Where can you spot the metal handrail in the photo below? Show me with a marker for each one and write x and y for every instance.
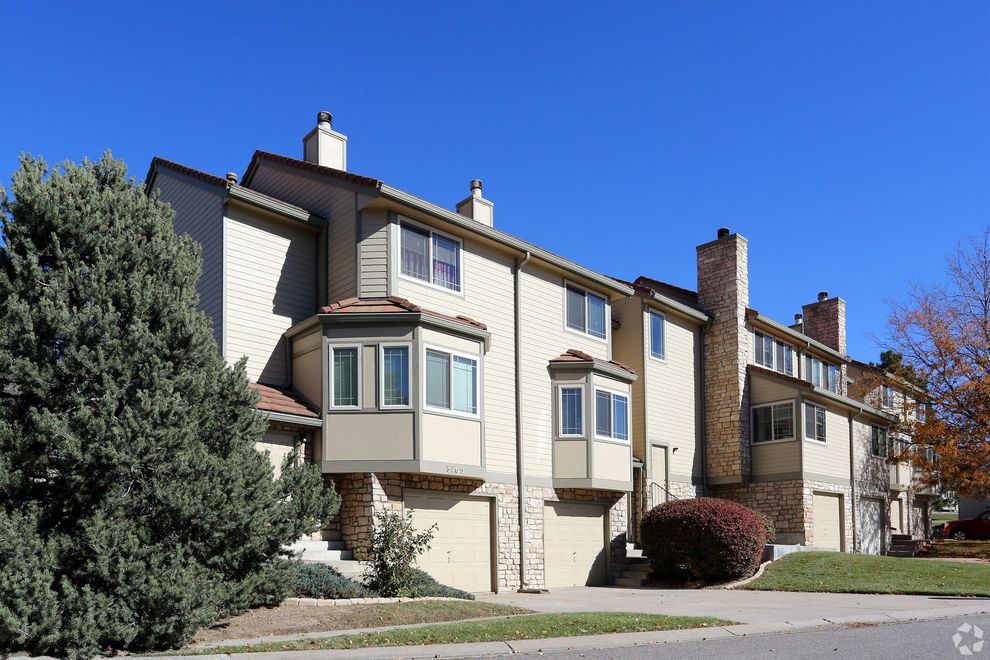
(664, 489)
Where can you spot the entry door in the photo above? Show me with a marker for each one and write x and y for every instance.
(896, 516)
(871, 525)
(658, 475)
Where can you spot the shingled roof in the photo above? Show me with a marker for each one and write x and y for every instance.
(575, 355)
(392, 305)
(282, 400)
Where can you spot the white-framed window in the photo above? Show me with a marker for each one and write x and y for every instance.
(585, 311)
(394, 377)
(611, 414)
(832, 378)
(814, 422)
(878, 441)
(773, 422)
(658, 340)
(430, 257)
(821, 374)
(345, 376)
(887, 396)
(450, 381)
(571, 411)
(772, 353)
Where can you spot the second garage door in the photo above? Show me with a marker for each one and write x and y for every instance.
(871, 525)
(828, 521)
(461, 553)
(574, 544)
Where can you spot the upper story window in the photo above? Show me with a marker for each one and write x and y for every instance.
(611, 415)
(395, 376)
(887, 396)
(585, 311)
(814, 422)
(345, 386)
(451, 382)
(821, 374)
(773, 421)
(430, 257)
(773, 353)
(658, 342)
(878, 441)
(571, 411)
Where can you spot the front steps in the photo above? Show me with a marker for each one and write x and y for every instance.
(636, 571)
(333, 553)
(903, 545)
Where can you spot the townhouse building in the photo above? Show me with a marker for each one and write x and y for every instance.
(530, 408)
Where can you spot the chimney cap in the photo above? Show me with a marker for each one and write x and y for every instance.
(324, 117)
(476, 187)
(822, 296)
(231, 179)
(799, 318)
(722, 232)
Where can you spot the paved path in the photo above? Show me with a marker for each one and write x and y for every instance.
(765, 607)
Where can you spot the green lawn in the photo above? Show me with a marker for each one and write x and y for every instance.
(948, 548)
(533, 626)
(838, 572)
(942, 516)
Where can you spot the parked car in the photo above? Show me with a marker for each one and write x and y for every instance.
(973, 529)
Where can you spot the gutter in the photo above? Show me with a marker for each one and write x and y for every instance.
(777, 326)
(298, 420)
(680, 308)
(517, 338)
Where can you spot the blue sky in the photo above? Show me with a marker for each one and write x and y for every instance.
(850, 142)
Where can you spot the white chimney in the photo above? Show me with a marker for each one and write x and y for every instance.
(325, 146)
(477, 207)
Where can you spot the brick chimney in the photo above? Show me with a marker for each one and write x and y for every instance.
(325, 146)
(825, 321)
(723, 292)
(477, 207)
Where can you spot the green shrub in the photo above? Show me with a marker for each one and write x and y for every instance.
(704, 538)
(322, 581)
(424, 585)
(394, 547)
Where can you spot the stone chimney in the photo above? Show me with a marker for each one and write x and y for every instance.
(325, 146)
(477, 207)
(723, 292)
(825, 321)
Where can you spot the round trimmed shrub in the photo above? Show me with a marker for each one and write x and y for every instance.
(705, 538)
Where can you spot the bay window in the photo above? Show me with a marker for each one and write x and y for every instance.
(611, 415)
(430, 257)
(345, 380)
(571, 411)
(395, 376)
(451, 382)
(773, 421)
(585, 311)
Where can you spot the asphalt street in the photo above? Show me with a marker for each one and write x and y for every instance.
(919, 640)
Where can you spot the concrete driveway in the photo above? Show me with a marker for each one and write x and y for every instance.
(759, 607)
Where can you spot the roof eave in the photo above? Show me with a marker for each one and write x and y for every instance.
(679, 307)
(794, 334)
(597, 367)
(410, 317)
(273, 205)
(288, 418)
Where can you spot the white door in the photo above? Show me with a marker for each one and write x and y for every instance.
(658, 475)
(828, 521)
(896, 516)
(871, 526)
(574, 544)
(278, 445)
(461, 552)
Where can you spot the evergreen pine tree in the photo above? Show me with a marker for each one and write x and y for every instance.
(134, 508)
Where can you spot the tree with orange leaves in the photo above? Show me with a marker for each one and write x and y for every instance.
(943, 332)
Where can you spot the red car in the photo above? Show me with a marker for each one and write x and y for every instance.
(974, 529)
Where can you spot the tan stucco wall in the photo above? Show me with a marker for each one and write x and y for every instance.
(451, 440)
(368, 436)
(612, 461)
(570, 459)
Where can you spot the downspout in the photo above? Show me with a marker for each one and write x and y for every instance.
(852, 477)
(520, 462)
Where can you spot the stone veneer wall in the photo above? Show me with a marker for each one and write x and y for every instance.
(825, 321)
(723, 292)
(362, 495)
(783, 501)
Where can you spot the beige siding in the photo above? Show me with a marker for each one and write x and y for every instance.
(871, 472)
(544, 338)
(627, 348)
(199, 213)
(767, 390)
(449, 439)
(830, 459)
(307, 376)
(571, 460)
(612, 461)
(488, 297)
(672, 396)
(776, 458)
(271, 285)
(333, 200)
(373, 248)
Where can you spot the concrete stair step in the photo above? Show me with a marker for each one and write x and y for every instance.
(327, 555)
(642, 569)
(900, 553)
(318, 546)
(632, 551)
(628, 582)
(636, 561)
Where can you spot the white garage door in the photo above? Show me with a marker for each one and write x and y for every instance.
(278, 445)
(871, 526)
(461, 553)
(574, 544)
(828, 521)
(896, 516)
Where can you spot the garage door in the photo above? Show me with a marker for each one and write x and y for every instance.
(828, 521)
(461, 553)
(871, 526)
(896, 516)
(277, 444)
(574, 544)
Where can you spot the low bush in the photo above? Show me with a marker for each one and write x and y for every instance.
(395, 545)
(322, 581)
(424, 585)
(705, 538)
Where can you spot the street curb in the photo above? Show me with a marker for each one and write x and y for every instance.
(339, 602)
